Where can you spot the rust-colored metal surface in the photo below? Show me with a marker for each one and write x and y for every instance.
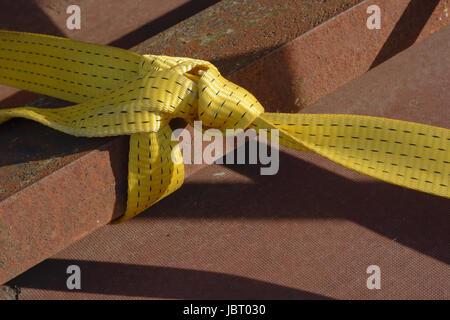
(264, 27)
(316, 64)
(221, 236)
(49, 214)
(233, 34)
(8, 293)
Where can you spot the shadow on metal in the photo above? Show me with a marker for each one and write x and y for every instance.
(154, 282)
(162, 23)
(306, 191)
(27, 16)
(407, 29)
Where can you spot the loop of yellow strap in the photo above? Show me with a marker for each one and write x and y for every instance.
(119, 92)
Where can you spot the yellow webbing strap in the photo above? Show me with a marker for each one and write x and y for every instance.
(122, 93)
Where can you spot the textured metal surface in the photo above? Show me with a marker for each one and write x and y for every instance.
(233, 34)
(264, 27)
(314, 65)
(221, 237)
(58, 210)
(8, 293)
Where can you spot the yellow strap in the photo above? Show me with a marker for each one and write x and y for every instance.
(119, 92)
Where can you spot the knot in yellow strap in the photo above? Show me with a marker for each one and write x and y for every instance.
(195, 90)
(119, 92)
